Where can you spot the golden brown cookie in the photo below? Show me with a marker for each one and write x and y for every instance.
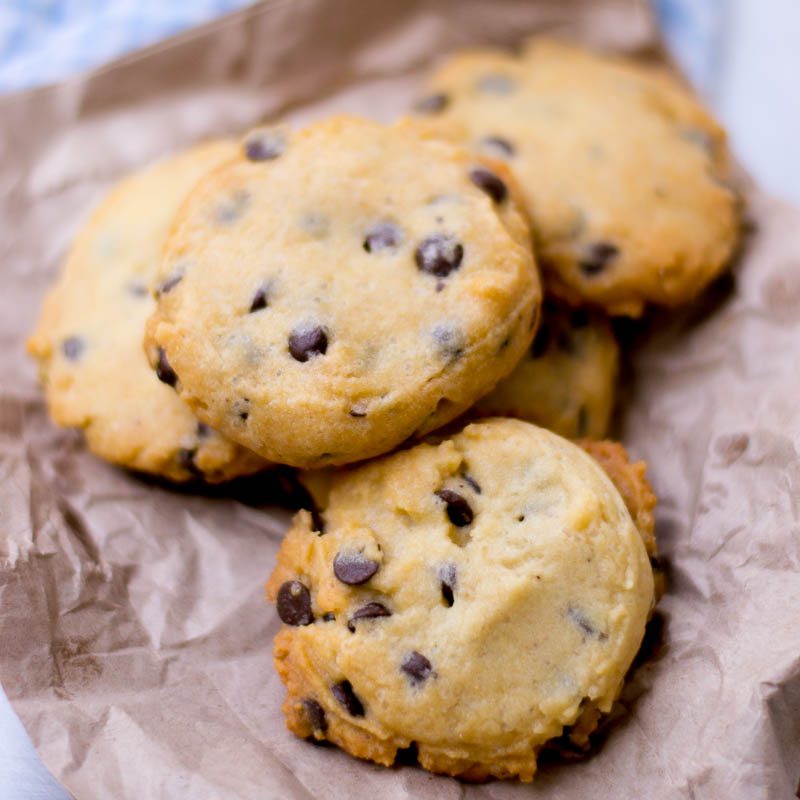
(471, 599)
(630, 479)
(566, 381)
(626, 176)
(338, 290)
(89, 337)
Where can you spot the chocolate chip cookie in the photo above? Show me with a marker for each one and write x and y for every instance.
(333, 292)
(469, 600)
(626, 176)
(89, 337)
(566, 381)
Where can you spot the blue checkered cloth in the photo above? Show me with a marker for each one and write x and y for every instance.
(694, 31)
(46, 40)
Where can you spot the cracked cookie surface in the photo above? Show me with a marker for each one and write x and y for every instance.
(470, 599)
(343, 288)
(627, 178)
(88, 340)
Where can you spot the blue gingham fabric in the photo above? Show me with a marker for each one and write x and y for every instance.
(694, 32)
(42, 41)
(47, 40)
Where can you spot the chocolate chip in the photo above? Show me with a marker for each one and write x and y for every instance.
(241, 408)
(368, 611)
(497, 145)
(169, 283)
(450, 342)
(458, 509)
(315, 714)
(417, 667)
(383, 236)
(203, 431)
(472, 482)
(496, 84)
(294, 604)
(489, 182)
(137, 289)
(448, 579)
(72, 347)
(164, 371)
(582, 621)
(328, 616)
(305, 343)
(344, 693)
(597, 256)
(447, 594)
(233, 208)
(540, 342)
(354, 568)
(439, 255)
(264, 145)
(432, 103)
(260, 299)
(186, 461)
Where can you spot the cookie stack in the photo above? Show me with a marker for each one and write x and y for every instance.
(353, 292)
(89, 338)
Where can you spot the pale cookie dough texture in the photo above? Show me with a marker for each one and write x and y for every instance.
(626, 177)
(566, 381)
(338, 290)
(471, 600)
(89, 337)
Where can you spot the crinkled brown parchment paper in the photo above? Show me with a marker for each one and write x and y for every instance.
(135, 643)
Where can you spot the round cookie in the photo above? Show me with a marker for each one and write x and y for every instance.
(473, 599)
(566, 381)
(336, 291)
(88, 340)
(626, 176)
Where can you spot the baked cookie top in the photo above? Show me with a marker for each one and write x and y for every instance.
(626, 176)
(566, 381)
(472, 597)
(88, 340)
(333, 292)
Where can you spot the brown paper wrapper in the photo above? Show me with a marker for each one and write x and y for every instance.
(135, 642)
